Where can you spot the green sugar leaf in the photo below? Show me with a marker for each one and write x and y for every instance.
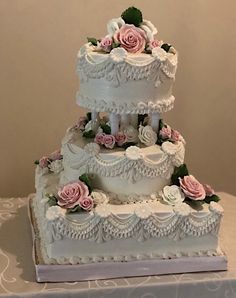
(161, 124)
(115, 45)
(92, 40)
(89, 116)
(132, 15)
(128, 144)
(213, 198)
(166, 47)
(36, 162)
(179, 172)
(89, 134)
(85, 178)
(141, 118)
(75, 209)
(52, 200)
(106, 128)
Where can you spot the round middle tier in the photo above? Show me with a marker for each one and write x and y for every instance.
(135, 171)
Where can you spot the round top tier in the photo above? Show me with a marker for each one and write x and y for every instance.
(122, 82)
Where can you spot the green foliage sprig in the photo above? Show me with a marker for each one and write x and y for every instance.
(85, 178)
(52, 200)
(93, 40)
(106, 128)
(132, 15)
(179, 172)
(89, 134)
(166, 47)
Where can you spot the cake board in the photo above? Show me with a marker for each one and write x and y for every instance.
(108, 270)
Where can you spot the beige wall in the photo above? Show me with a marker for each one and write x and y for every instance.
(38, 45)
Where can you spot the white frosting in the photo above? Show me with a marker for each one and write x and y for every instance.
(122, 82)
(113, 25)
(149, 29)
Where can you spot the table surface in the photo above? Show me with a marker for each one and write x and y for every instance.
(17, 276)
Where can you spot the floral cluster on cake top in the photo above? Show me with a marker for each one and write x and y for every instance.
(51, 163)
(131, 33)
(186, 188)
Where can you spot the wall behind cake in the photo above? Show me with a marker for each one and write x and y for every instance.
(39, 42)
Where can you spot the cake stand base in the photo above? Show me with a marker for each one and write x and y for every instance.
(107, 270)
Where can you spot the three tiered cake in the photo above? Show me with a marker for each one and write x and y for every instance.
(118, 192)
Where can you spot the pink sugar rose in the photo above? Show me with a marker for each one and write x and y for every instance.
(56, 155)
(131, 38)
(86, 203)
(165, 132)
(109, 141)
(192, 188)
(121, 138)
(106, 44)
(209, 190)
(44, 162)
(72, 194)
(99, 138)
(175, 135)
(154, 43)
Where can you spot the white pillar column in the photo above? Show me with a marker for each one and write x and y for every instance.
(114, 121)
(94, 115)
(155, 118)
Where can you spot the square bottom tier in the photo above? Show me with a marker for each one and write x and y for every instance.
(119, 268)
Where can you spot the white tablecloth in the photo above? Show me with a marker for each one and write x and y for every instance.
(17, 277)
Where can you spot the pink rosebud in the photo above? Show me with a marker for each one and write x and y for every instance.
(192, 188)
(99, 138)
(56, 155)
(44, 162)
(154, 43)
(209, 190)
(71, 194)
(86, 203)
(106, 44)
(131, 38)
(175, 135)
(121, 138)
(165, 132)
(109, 141)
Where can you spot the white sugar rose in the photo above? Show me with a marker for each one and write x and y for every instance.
(56, 166)
(92, 125)
(172, 195)
(131, 133)
(99, 197)
(147, 135)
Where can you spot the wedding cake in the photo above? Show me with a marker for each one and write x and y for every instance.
(118, 190)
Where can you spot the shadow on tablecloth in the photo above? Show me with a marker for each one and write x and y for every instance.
(16, 241)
